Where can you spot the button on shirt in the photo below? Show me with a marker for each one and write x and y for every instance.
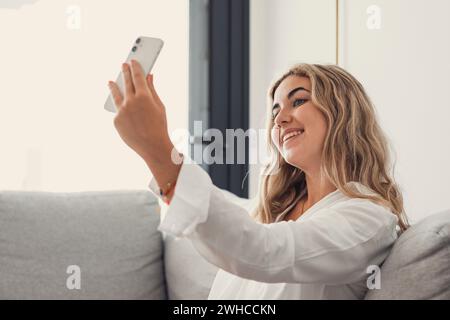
(324, 254)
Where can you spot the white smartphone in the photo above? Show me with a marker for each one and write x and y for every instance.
(145, 50)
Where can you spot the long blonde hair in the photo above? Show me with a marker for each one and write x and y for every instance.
(355, 147)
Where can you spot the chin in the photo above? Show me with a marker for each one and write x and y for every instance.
(293, 157)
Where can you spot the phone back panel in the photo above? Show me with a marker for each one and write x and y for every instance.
(145, 51)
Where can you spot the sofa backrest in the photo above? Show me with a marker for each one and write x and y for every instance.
(107, 240)
(418, 266)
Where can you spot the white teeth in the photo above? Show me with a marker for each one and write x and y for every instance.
(292, 134)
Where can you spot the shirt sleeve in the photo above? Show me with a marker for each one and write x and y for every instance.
(189, 202)
(334, 246)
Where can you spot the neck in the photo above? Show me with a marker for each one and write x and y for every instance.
(318, 187)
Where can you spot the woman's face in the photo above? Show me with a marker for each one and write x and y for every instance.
(299, 127)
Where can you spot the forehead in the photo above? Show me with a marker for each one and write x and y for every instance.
(290, 83)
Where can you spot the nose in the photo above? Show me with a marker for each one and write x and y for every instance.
(283, 117)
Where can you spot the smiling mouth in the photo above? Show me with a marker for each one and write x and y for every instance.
(292, 135)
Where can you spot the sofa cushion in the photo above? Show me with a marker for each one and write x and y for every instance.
(418, 266)
(110, 236)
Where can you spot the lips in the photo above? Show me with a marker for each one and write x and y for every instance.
(291, 133)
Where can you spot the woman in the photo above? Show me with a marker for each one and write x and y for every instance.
(327, 214)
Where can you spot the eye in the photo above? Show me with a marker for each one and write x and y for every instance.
(299, 102)
(275, 112)
(274, 115)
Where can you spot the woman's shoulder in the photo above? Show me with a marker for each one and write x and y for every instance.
(359, 187)
(363, 208)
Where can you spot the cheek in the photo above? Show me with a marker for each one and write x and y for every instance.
(315, 123)
(321, 129)
(317, 135)
(275, 135)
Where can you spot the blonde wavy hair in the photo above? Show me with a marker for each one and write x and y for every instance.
(355, 147)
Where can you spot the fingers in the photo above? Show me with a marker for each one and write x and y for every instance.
(138, 76)
(152, 88)
(149, 80)
(127, 79)
(135, 82)
(115, 93)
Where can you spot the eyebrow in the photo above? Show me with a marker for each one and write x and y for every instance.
(290, 94)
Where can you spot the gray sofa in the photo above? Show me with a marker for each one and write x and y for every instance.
(108, 242)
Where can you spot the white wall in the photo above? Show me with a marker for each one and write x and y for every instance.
(54, 133)
(282, 33)
(405, 66)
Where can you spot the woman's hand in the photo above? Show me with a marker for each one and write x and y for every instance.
(142, 124)
(141, 116)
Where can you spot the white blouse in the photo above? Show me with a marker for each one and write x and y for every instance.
(324, 254)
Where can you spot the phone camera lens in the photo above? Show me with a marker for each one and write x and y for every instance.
(138, 40)
(134, 49)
